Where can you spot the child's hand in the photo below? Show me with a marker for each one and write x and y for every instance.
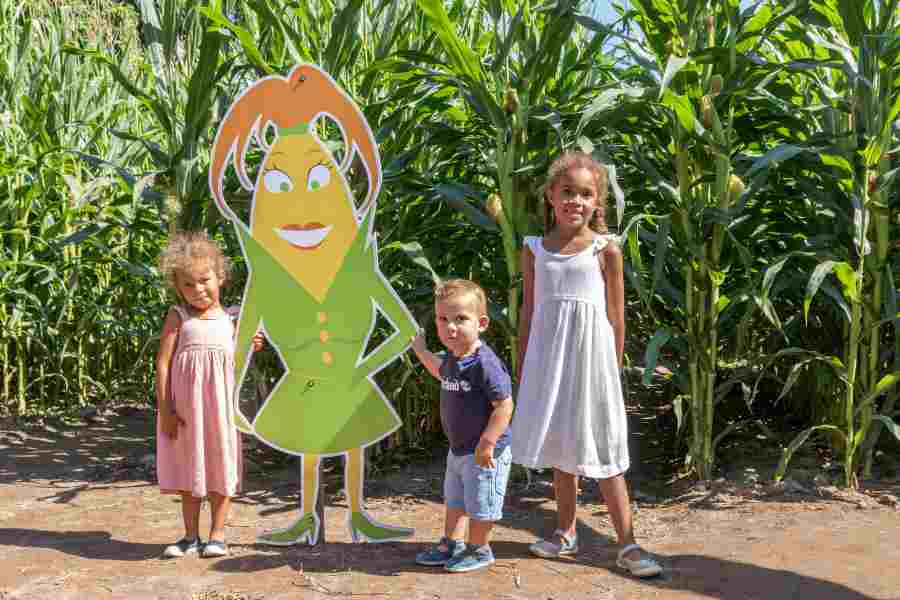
(484, 454)
(418, 342)
(258, 342)
(169, 423)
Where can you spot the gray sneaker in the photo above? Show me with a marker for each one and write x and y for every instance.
(214, 549)
(182, 547)
(558, 545)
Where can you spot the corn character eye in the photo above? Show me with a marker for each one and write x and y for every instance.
(319, 177)
(277, 181)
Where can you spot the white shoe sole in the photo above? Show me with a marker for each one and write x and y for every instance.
(175, 552)
(538, 551)
(474, 567)
(633, 567)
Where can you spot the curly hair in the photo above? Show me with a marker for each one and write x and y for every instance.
(462, 287)
(185, 248)
(574, 159)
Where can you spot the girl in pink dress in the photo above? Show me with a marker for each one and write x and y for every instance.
(198, 449)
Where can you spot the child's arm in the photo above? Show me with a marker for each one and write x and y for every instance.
(168, 418)
(526, 264)
(428, 358)
(497, 424)
(613, 274)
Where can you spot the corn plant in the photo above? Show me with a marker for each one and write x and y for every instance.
(856, 46)
(699, 83)
(543, 65)
(178, 86)
(61, 299)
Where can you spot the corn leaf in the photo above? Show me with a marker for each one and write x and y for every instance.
(461, 56)
(884, 384)
(889, 424)
(651, 354)
(815, 280)
(788, 452)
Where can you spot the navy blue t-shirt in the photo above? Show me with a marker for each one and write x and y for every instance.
(468, 387)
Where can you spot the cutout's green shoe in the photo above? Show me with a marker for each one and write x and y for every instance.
(304, 531)
(242, 424)
(364, 528)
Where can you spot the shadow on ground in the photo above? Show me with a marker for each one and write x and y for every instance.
(704, 575)
(720, 578)
(87, 544)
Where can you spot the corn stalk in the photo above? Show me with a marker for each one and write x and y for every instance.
(56, 335)
(516, 101)
(857, 45)
(703, 54)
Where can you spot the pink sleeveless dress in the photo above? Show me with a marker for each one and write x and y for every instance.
(206, 455)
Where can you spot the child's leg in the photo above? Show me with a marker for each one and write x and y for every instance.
(480, 532)
(615, 494)
(635, 560)
(455, 522)
(190, 512)
(485, 490)
(564, 541)
(565, 487)
(455, 519)
(190, 544)
(220, 507)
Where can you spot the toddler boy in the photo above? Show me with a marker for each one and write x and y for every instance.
(476, 408)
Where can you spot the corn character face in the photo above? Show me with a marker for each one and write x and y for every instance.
(303, 211)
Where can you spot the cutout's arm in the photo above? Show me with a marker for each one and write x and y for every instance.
(247, 327)
(399, 316)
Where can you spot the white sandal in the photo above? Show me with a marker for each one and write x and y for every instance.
(645, 566)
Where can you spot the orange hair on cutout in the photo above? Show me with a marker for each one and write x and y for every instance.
(301, 97)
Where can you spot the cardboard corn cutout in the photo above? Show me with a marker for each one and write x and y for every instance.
(314, 286)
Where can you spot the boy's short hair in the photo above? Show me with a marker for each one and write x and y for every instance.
(449, 288)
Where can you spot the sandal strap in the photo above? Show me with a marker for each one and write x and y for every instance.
(565, 538)
(628, 549)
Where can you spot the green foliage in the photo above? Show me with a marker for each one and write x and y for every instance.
(757, 146)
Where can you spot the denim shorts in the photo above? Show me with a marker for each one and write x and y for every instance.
(479, 491)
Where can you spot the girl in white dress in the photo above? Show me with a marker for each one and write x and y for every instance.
(570, 413)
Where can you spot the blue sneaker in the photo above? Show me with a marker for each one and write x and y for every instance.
(474, 558)
(436, 557)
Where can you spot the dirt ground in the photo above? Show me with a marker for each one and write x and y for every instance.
(80, 517)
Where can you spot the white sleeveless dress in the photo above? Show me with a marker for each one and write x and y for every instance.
(570, 414)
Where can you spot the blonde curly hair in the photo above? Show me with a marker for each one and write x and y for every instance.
(187, 247)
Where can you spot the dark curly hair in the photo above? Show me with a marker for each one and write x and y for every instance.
(575, 159)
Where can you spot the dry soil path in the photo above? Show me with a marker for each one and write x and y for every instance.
(79, 518)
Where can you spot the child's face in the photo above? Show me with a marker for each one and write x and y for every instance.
(200, 285)
(574, 198)
(458, 323)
